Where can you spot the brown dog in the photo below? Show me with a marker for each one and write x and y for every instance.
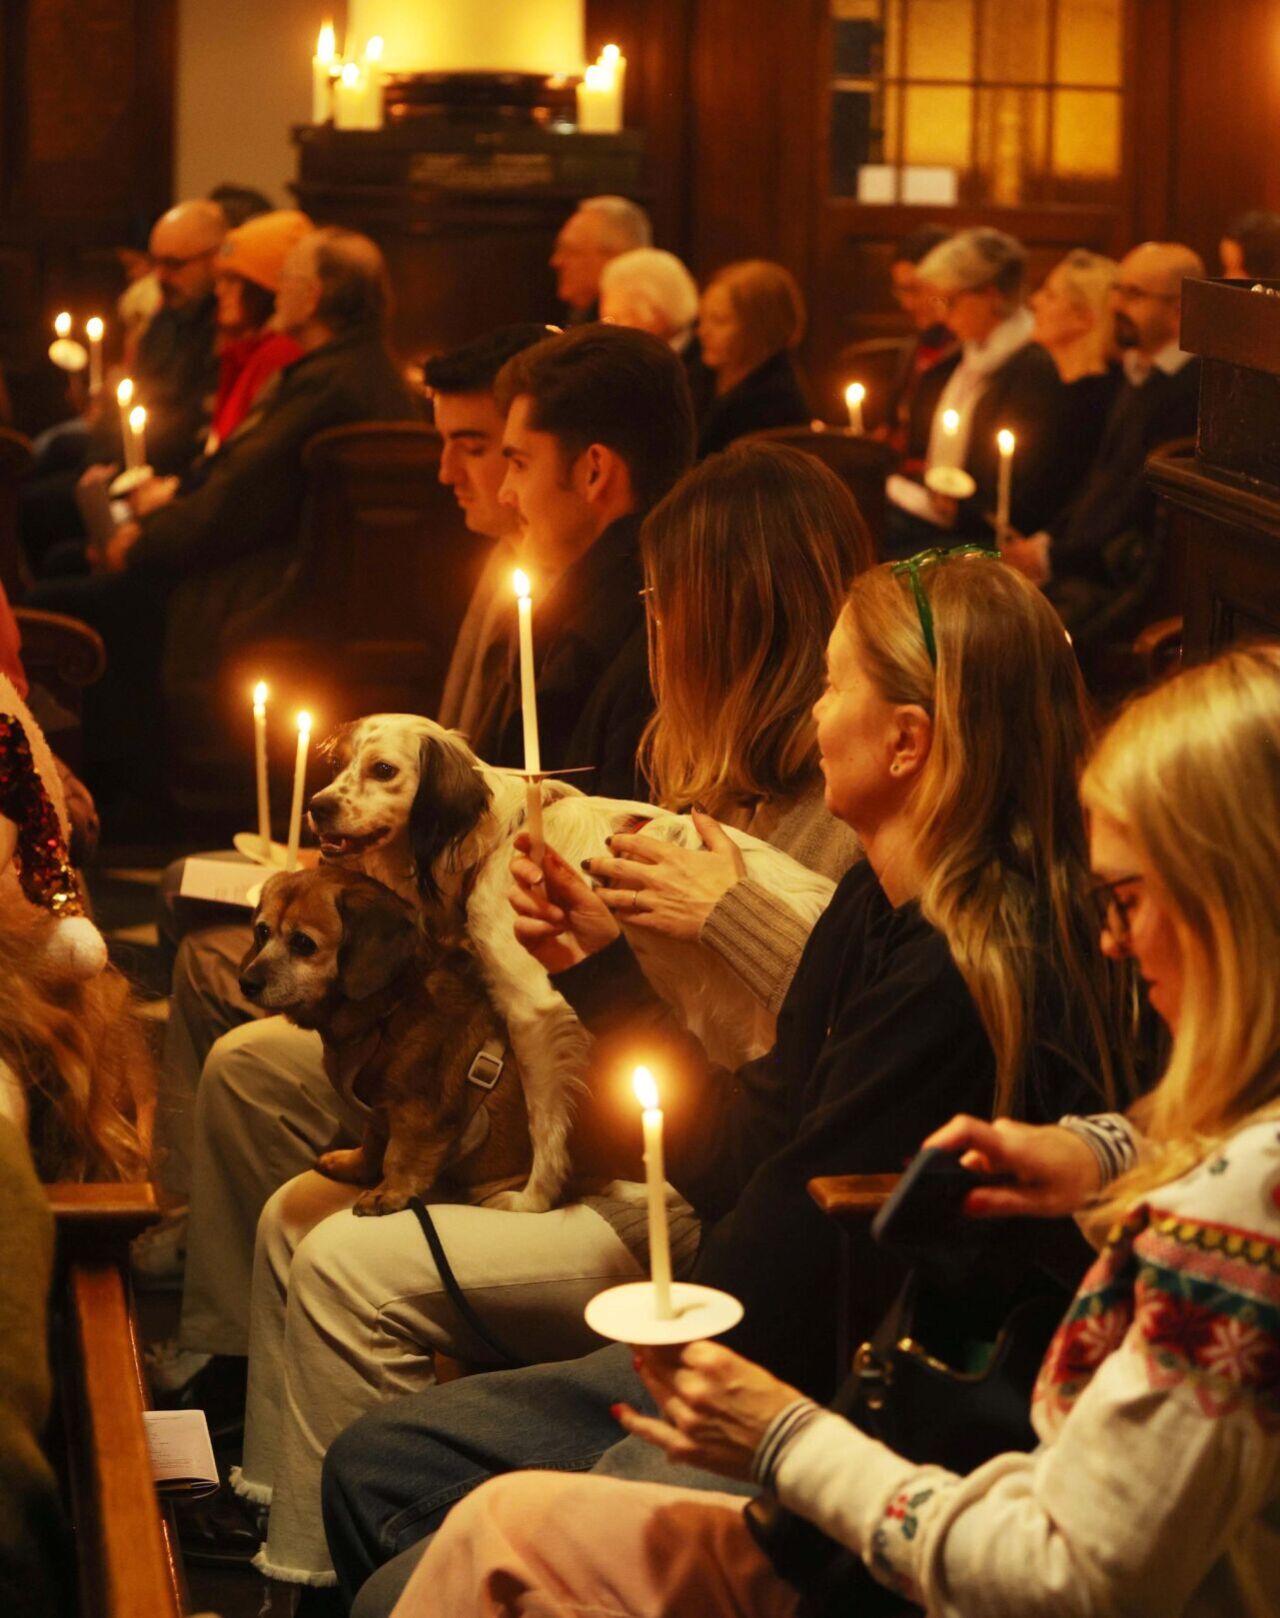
(409, 1034)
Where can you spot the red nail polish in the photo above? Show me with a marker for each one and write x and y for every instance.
(616, 1412)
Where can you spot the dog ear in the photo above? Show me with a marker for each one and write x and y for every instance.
(378, 937)
(450, 800)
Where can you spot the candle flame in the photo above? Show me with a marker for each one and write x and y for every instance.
(598, 77)
(62, 324)
(326, 45)
(260, 694)
(124, 393)
(854, 394)
(645, 1087)
(374, 48)
(94, 329)
(138, 418)
(351, 75)
(521, 581)
(304, 723)
(950, 422)
(611, 53)
(1004, 441)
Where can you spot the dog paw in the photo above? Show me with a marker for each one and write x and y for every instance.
(347, 1165)
(382, 1199)
(520, 1202)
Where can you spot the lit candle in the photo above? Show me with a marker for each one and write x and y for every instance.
(124, 398)
(64, 351)
(529, 709)
(299, 787)
(1004, 443)
(348, 97)
(600, 93)
(854, 394)
(951, 422)
(372, 111)
(62, 324)
(138, 432)
(612, 58)
(655, 1179)
(94, 330)
(321, 75)
(260, 762)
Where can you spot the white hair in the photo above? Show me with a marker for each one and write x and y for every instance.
(973, 259)
(655, 280)
(626, 224)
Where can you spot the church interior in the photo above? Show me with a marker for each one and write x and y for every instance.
(639, 808)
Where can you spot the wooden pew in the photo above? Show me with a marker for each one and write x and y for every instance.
(128, 1565)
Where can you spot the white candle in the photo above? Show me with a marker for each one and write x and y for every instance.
(951, 422)
(655, 1179)
(299, 787)
(321, 75)
(260, 765)
(94, 330)
(1004, 443)
(529, 710)
(62, 324)
(124, 398)
(611, 57)
(371, 115)
(138, 433)
(64, 351)
(348, 97)
(854, 394)
(600, 94)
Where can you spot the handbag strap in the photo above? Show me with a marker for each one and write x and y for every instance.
(457, 1297)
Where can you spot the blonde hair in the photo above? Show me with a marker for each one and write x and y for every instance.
(79, 1052)
(997, 822)
(768, 304)
(1191, 772)
(1089, 278)
(747, 561)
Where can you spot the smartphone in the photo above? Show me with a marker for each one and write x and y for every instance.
(926, 1208)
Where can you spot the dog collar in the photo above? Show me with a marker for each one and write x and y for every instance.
(487, 1065)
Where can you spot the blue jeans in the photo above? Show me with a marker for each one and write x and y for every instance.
(391, 1477)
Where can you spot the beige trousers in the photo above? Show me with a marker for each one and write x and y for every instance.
(348, 1311)
(563, 1545)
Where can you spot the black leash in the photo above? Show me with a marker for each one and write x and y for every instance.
(457, 1296)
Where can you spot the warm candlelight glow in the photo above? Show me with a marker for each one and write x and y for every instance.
(94, 329)
(124, 393)
(326, 45)
(610, 55)
(1004, 441)
(62, 324)
(260, 694)
(646, 1088)
(374, 49)
(951, 422)
(351, 75)
(521, 581)
(854, 394)
(138, 418)
(304, 721)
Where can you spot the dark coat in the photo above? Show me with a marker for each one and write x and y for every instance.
(1026, 396)
(769, 396)
(176, 370)
(592, 671)
(879, 1043)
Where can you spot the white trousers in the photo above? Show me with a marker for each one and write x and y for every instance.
(348, 1311)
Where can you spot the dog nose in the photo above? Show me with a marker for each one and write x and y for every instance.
(250, 988)
(321, 809)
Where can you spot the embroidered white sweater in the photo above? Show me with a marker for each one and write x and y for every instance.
(1155, 1490)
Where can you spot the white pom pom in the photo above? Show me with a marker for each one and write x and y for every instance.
(78, 947)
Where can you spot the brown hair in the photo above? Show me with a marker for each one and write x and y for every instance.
(77, 1048)
(998, 825)
(608, 385)
(747, 561)
(768, 302)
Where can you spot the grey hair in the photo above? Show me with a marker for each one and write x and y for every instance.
(655, 277)
(626, 223)
(978, 258)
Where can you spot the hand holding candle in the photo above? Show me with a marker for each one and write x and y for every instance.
(260, 763)
(299, 790)
(1005, 444)
(655, 1178)
(529, 708)
(854, 394)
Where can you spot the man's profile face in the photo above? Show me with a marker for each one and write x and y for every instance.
(183, 261)
(556, 520)
(472, 463)
(578, 259)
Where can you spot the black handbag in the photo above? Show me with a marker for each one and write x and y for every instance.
(927, 1410)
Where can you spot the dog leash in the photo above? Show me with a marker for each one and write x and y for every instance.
(457, 1296)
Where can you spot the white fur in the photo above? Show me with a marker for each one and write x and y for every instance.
(550, 1044)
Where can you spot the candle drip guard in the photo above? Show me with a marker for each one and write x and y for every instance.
(627, 1314)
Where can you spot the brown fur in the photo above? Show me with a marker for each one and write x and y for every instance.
(340, 953)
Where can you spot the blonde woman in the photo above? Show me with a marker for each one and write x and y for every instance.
(955, 959)
(1156, 1487)
(750, 319)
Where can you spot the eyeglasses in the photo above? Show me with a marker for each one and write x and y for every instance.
(171, 264)
(912, 569)
(1113, 912)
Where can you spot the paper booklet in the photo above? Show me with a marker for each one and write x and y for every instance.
(181, 1452)
(228, 881)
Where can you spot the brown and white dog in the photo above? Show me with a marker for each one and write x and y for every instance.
(410, 1036)
(413, 805)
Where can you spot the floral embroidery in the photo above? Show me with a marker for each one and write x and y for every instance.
(903, 1513)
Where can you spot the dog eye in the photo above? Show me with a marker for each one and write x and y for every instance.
(383, 771)
(261, 933)
(300, 944)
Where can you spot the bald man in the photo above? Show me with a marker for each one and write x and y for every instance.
(1090, 550)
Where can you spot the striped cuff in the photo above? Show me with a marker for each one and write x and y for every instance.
(1109, 1136)
(782, 1431)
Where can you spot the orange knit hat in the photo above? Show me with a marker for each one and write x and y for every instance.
(258, 248)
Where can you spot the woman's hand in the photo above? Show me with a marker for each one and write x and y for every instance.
(559, 919)
(664, 888)
(151, 495)
(717, 1406)
(1054, 1171)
